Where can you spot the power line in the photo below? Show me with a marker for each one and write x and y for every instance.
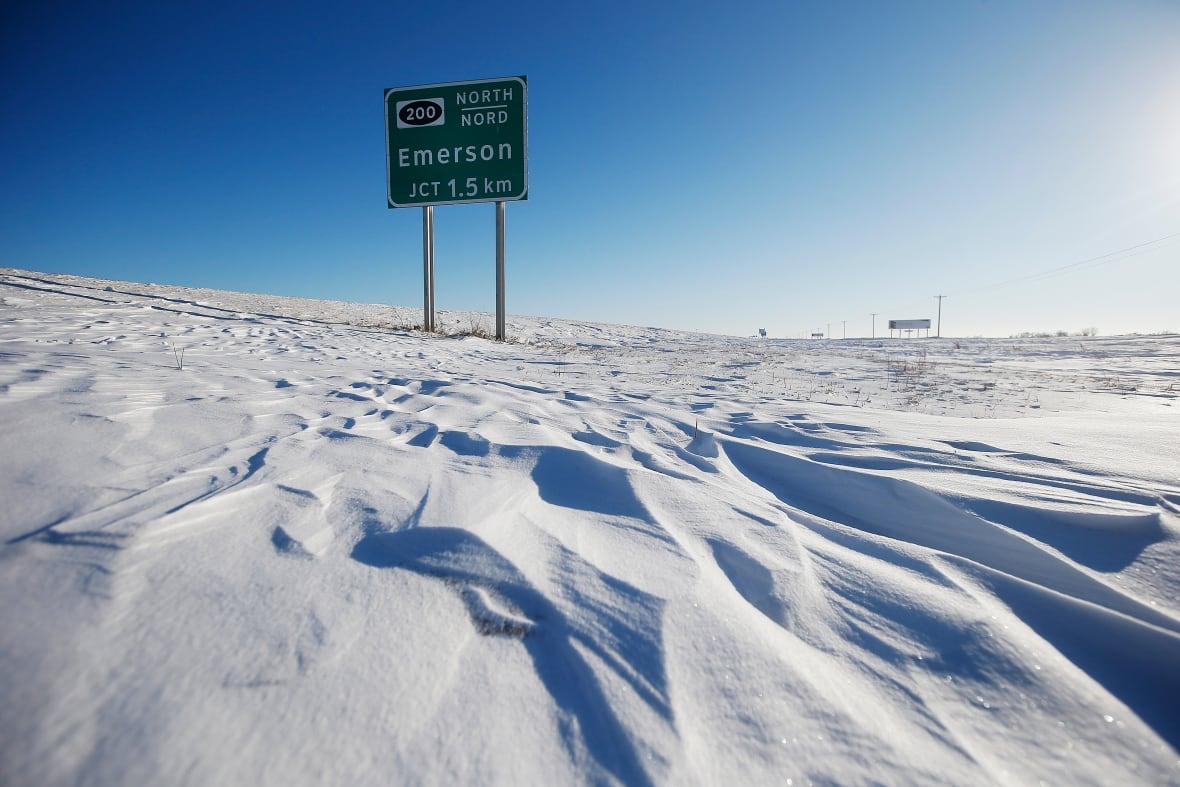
(1061, 270)
(1090, 262)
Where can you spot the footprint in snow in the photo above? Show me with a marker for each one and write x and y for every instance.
(616, 622)
(499, 600)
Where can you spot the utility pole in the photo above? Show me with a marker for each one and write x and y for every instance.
(845, 324)
(828, 335)
(874, 324)
(938, 332)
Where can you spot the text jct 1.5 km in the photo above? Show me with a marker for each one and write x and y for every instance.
(473, 188)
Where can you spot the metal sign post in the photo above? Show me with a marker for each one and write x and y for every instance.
(428, 268)
(501, 334)
(455, 143)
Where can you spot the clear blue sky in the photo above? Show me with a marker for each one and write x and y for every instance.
(714, 167)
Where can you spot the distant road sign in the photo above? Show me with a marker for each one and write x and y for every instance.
(908, 325)
(457, 142)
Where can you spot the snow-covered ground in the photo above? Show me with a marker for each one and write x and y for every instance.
(315, 549)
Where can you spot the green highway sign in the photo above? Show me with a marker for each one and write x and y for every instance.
(457, 142)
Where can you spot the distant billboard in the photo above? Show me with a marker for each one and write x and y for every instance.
(909, 325)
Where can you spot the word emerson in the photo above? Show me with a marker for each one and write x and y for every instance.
(457, 155)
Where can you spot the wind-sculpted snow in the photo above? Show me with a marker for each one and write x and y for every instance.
(319, 547)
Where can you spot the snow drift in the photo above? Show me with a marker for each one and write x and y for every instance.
(315, 548)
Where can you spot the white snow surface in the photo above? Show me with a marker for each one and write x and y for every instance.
(324, 548)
